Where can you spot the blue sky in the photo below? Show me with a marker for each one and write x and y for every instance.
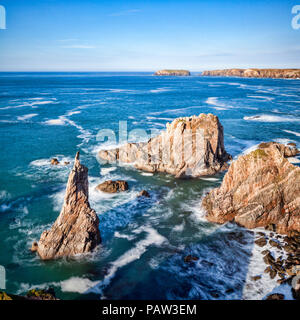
(99, 35)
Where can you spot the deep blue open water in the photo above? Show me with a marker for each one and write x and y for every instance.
(46, 115)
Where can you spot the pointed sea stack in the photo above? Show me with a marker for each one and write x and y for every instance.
(76, 229)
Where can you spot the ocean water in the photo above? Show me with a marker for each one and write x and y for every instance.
(45, 115)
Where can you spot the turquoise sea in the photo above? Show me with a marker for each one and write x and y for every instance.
(46, 115)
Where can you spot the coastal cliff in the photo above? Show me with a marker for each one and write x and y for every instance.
(255, 73)
(76, 229)
(190, 147)
(260, 189)
(167, 72)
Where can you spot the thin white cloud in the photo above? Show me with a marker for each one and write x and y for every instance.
(124, 13)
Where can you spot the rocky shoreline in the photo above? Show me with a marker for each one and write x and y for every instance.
(260, 189)
(255, 73)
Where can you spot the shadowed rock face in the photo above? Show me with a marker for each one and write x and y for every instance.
(255, 73)
(113, 186)
(76, 229)
(190, 147)
(259, 189)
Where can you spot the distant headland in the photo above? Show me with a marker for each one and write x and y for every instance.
(169, 72)
(255, 73)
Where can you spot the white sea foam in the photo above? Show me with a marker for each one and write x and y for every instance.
(158, 118)
(261, 97)
(33, 104)
(179, 227)
(152, 238)
(214, 101)
(293, 160)
(77, 284)
(175, 111)
(105, 171)
(47, 162)
(147, 174)
(27, 116)
(124, 236)
(210, 179)
(4, 195)
(40, 162)
(270, 118)
(70, 113)
(283, 140)
(55, 122)
(265, 285)
(159, 90)
(292, 132)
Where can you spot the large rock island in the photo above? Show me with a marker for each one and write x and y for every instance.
(255, 73)
(168, 72)
(76, 229)
(260, 189)
(190, 147)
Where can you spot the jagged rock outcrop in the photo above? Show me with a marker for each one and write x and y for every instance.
(260, 189)
(76, 229)
(255, 73)
(54, 162)
(168, 72)
(190, 147)
(110, 186)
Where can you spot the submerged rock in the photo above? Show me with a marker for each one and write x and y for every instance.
(190, 147)
(110, 186)
(144, 193)
(190, 258)
(76, 229)
(261, 241)
(275, 296)
(260, 189)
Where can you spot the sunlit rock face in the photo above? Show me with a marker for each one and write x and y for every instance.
(189, 147)
(170, 72)
(76, 229)
(260, 189)
(255, 73)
